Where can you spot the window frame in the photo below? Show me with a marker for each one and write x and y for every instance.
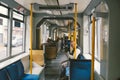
(8, 51)
(7, 17)
(24, 32)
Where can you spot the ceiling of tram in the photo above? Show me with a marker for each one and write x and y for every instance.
(82, 5)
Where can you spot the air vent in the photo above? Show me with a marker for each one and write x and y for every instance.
(53, 7)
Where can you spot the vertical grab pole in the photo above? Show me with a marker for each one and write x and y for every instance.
(31, 15)
(93, 48)
(69, 30)
(75, 25)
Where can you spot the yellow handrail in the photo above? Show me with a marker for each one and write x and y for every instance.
(69, 30)
(93, 48)
(75, 25)
(31, 15)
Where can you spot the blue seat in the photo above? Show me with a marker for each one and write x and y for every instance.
(80, 69)
(22, 75)
(3, 75)
(30, 77)
(13, 72)
(20, 69)
(16, 72)
(67, 69)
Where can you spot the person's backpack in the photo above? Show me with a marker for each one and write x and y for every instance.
(80, 56)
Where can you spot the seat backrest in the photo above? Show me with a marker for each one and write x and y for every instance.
(3, 75)
(12, 71)
(80, 69)
(20, 69)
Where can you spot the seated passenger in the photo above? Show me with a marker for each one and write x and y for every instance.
(65, 66)
(78, 52)
(49, 40)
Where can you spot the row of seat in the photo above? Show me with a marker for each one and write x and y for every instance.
(15, 71)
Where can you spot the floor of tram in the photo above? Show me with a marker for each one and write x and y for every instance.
(53, 67)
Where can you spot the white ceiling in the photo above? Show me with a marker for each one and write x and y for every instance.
(82, 4)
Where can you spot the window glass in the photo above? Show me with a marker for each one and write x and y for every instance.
(17, 37)
(3, 10)
(98, 32)
(44, 34)
(97, 37)
(17, 16)
(3, 37)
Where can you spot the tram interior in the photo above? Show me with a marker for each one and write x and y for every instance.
(33, 36)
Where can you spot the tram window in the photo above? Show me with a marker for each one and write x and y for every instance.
(3, 38)
(18, 33)
(3, 10)
(45, 33)
(17, 16)
(98, 37)
(17, 38)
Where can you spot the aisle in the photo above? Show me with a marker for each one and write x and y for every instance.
(53, 67)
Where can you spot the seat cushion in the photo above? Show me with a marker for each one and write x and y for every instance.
(3, 75)
(13, 72)
(30, 77)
